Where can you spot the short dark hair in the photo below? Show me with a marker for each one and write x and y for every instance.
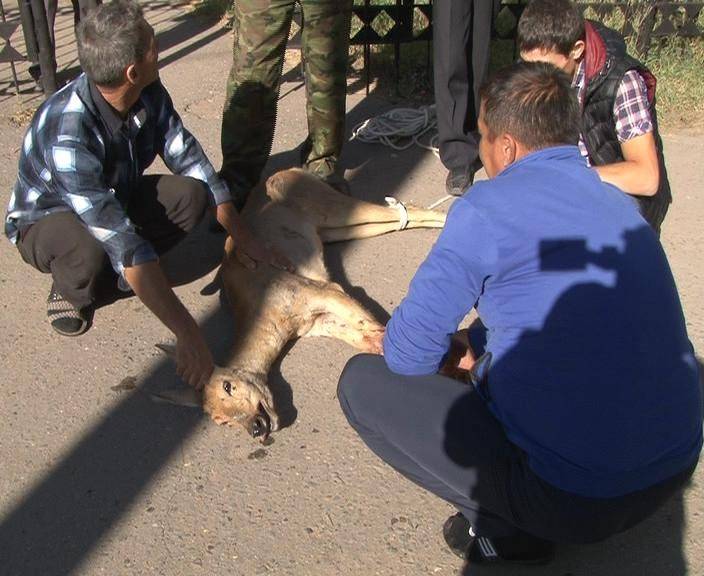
(550, 25)
(110, 38)
(534, 102)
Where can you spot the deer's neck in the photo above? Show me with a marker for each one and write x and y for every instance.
(258, 343)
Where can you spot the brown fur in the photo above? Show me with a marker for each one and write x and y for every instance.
(272, 306)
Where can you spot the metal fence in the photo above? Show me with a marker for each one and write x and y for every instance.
(399, 22)
(378, 22)
(409, 21)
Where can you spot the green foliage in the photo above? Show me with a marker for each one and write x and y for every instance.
(677, 64)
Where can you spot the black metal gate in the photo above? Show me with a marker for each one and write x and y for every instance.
(410, 21)
(403, 21)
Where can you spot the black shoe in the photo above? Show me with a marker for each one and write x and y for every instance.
(335, 181)
(338, 183)
(36, 73)
(519, 549)
(459, 180)
(64, 317)
(325, 168)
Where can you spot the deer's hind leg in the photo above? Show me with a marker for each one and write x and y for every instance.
(338, 315)
(340, 217)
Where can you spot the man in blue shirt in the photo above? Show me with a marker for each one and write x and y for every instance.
(583, 414)
(82, 206)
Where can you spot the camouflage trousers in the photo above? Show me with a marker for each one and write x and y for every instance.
(261, 29)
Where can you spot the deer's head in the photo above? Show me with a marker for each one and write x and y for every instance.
(231, 396)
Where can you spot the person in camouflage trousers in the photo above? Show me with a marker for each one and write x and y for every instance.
(261, 29)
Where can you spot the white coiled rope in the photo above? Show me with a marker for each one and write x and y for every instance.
(399, 128)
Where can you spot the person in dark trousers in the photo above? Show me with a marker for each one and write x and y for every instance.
(80, 9)
(616, 92)
(461, 49)
(81, 208)
(581, 415)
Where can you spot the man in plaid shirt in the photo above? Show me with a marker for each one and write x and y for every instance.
(81, 208)
(617, 96)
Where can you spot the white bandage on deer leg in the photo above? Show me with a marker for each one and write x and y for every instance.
(402, 211)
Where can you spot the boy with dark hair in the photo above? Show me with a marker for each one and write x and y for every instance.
(616, 92)
(569, 428)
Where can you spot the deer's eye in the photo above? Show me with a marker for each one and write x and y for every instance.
(227, 387)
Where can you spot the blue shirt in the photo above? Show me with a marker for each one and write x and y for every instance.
(593, 374)
(78, 155)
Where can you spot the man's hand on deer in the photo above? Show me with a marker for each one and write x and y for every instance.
(194, 363)
(460, 357)
(375, 341)
(248, 248)
(193, 360)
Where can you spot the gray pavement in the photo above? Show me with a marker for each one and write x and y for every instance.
(95, 478)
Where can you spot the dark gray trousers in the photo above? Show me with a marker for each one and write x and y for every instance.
(80, 9)
(439, 433)
(164, 210)
(461, 48)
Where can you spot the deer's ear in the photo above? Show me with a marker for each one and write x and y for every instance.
(181, 396)
(168, 349)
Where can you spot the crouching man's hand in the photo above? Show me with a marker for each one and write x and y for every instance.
(194, 362)
(248, 248)
(373, 341)
(460, 357)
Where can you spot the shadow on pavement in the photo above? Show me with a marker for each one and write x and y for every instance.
(653, 547)
(189, 26)
(62, 519)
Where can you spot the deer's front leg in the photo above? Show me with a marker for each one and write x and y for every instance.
(338, 315)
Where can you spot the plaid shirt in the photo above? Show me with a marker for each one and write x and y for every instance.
(631, 107)
(79, 155)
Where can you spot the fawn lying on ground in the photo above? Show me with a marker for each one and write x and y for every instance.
(272, 306)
